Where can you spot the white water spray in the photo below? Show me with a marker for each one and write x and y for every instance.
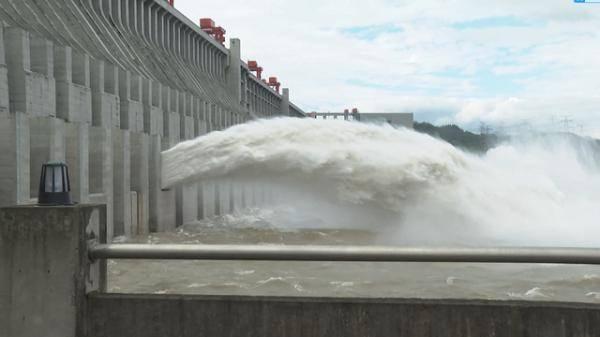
(413, 187)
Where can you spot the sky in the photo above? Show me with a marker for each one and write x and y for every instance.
(510, 64)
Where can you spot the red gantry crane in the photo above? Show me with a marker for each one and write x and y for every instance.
(253, 66)
(274, 83)
(208, 26)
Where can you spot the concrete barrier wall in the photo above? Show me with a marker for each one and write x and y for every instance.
(112, 315)
(45, 272)
(50, 287)
(106, 85)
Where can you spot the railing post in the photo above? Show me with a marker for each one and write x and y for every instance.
(45, 271)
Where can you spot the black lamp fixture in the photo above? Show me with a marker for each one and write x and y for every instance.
(55, 186)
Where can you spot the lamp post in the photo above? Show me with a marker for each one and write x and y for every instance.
(55, 186)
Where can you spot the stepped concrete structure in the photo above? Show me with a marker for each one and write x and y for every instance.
(106, 85)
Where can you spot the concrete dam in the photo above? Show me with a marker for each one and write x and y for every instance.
(106, 85)
(122, 90)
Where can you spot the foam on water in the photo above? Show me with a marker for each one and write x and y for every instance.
(535, 191)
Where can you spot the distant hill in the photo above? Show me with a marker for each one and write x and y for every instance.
(458, 137)
(588, 148)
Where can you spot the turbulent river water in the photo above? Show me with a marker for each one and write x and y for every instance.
(339, 182)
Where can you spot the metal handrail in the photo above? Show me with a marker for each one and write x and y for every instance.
(548, 255)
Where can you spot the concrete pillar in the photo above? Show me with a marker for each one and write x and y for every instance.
(234, 70)
(127, 117)
(183, 121)
(189, 104)
(166, 215)
(42, 56)
(175, 128)
(132, 116)
(187, 203)
(101, 115)
(14, 159)
(111, 101)
(46, 272)
(63, 72)
(175, 204)
(210, 116)
(188, 128)
(197, 124)
(154, 192)
(140, 159)
(179, 206)
(4, 97)
(81, 69)
(174, 101)
(181, 103)
(77, 157)
(18, 63)
(156, 110)
(101, 172)
(166, 110)
(73, 93)
(136, 109)
(222, 119)
(227, 119)
(285, 102)
(173, 117)
(121, 182)
(203, 110)
(204, 127)
(218, 120)
(147, 94)
(42, 83)
(133, 200)
(111, 79)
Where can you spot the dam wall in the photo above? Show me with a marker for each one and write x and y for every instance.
(106, 86)
(186, 315)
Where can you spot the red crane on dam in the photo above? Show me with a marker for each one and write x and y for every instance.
(208, 26)
(253, 66)
(274, 83)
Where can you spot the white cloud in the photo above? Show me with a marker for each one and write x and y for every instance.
(554, 61)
